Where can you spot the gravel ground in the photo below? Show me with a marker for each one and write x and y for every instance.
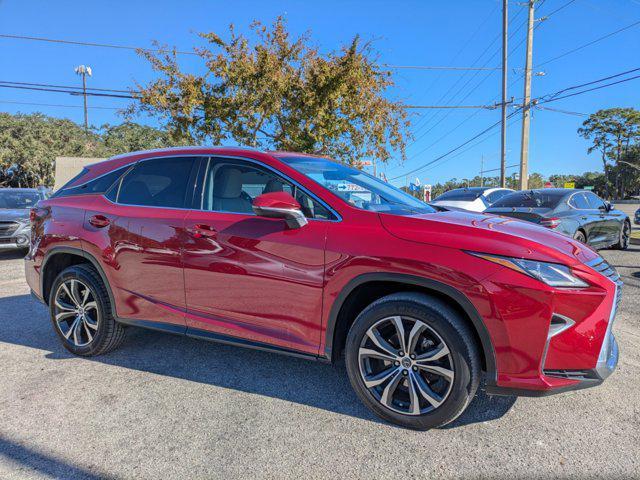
(169, 407)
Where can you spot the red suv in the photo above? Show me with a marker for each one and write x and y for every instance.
(302, 255)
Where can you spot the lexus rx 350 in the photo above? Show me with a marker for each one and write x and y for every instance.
(302, 255)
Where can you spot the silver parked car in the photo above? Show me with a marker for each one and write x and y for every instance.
(15, 205)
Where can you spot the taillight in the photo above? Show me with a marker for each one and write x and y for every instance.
(550, 222)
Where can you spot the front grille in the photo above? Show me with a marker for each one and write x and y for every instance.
(5, 241)
(600, 265)
(7, 228)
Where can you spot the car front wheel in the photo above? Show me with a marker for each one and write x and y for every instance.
(413, 360)
(625, 235)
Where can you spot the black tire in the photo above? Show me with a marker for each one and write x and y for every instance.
(463, 358)
(108, 334)
(580, 236)
(625, 236)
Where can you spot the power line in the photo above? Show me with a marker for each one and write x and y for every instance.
(70, 92)
(590, 89)
(426, 67)
(487, 107)
(593, 82)
(588, 44)
(183, 52)
(55, 105)
(93, 44)
(66, 86)
(411, 172)
(566, 112)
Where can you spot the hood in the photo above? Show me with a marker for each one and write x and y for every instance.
(14, 214)
(486, 233)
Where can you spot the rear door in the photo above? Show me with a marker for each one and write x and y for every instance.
(588, 218)
(250, 277)
(144, 217)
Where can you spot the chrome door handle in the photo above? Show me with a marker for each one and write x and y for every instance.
(99, 221)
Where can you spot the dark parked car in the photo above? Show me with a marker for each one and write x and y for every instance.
(577, 213)
(15, 204)
(636, 219)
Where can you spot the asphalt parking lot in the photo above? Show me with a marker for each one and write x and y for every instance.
(169, 407)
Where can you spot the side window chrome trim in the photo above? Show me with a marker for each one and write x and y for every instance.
(278, 173)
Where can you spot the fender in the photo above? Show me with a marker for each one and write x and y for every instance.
(81, 253)
(455, 295)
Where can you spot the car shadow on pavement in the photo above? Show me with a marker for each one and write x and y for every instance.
(32, 460)
(23, 321)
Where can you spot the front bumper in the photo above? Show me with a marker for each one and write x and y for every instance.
(14, 243)
(580, 354)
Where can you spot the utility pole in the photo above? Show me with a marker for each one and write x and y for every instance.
(84, 70)
(526, 104)
(482, 170)
(503, 142)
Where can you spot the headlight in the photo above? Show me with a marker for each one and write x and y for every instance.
(553, 274)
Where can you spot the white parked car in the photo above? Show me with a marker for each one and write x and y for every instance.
(475, 199)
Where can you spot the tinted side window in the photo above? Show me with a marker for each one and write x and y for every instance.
(594, 201)
(497, 195)
(97, 185)
(231, 186)
(161, 182)
(579, 201)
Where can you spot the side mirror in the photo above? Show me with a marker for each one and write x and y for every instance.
(608, 206)
(280, 205)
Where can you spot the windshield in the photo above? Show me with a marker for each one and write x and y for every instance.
(17, 199)
(462, 194)
(531, 199)
(357, 188)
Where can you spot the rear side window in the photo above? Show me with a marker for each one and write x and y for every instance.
(579, 201)
(531, 199)
(497, 195)
(98, 185)
(460, 195)
(595, 202)
(161, 182)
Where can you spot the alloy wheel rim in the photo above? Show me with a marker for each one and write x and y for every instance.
(406, 365)
(76, 312)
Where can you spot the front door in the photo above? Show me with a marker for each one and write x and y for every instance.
(250, 277)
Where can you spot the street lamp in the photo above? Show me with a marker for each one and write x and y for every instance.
(84, 70)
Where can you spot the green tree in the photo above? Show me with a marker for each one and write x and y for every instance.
(30, 143)
(278, 93)
(130, 137)
(612, 132)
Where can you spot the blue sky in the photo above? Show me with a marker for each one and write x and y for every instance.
(405, 32)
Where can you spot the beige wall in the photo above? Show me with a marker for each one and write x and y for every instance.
(68, 167)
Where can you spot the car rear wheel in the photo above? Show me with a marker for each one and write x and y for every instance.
(412, 360)
(580, 236)
(81, 312)
(625, 235)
